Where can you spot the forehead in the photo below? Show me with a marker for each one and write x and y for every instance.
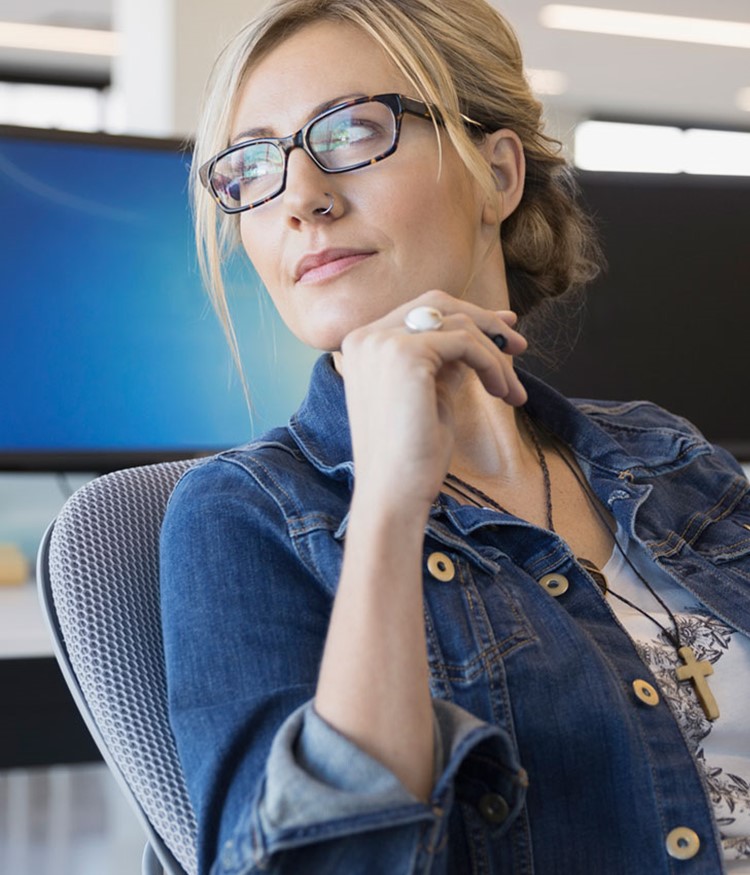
(319, 63)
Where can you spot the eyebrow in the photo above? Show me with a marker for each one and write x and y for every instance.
(261, 132)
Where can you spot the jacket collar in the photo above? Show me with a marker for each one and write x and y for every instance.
(320, 427)
(625, 441)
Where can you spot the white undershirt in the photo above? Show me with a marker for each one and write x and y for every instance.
(721, 747)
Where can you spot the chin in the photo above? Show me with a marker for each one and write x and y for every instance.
(327, 332)
(328, 339)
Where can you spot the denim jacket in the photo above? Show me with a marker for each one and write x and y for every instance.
(547, 761)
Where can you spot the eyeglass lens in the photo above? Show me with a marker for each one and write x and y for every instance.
(342, 140)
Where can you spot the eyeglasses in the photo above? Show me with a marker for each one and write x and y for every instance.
(351, 134)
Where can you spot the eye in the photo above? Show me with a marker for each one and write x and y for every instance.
(356, 130)
(248, 173)
(353, 135)
(254, 162)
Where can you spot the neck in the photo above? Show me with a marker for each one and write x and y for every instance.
(492, 442)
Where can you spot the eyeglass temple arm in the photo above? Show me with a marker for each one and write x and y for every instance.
(418, 107)
(423, 110)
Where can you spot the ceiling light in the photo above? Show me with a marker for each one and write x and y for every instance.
(628, 148)
(69, 40)
(636, 148)
(647, 25)
(547, 81)
(743, 99)
(720, 153)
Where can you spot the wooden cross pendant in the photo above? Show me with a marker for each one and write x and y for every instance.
(697, 672)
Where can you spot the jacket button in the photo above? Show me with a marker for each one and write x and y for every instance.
(493, 808)
(646, 692)
(441, 566)
(555, 584)
(683, 843)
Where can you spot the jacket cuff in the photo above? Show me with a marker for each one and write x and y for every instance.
(320, 786)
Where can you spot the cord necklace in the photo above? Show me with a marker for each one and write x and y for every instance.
(692, 669)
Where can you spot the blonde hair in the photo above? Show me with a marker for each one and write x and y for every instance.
(462, 58)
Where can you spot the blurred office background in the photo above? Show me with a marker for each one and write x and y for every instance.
(643, 87)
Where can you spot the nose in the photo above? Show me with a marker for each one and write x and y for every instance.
(304, 196)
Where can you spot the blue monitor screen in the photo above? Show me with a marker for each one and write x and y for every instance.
(109, 351)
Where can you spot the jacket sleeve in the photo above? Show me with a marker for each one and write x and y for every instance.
(276, 788)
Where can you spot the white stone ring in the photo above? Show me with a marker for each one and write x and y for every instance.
(423, 319)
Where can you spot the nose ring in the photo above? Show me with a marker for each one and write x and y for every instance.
(328, 209)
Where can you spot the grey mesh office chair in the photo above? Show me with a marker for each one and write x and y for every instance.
(98, 579)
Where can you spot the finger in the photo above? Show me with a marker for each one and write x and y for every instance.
(497, 344)
(501, 338)
(496, 324)
(508, 316)
(506, 338)
(469, 346)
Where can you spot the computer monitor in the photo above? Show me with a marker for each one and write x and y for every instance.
(669, 321)
(110, 354)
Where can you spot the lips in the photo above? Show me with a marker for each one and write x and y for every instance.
(328, 262)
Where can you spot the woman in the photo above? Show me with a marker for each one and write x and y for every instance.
(390, 644)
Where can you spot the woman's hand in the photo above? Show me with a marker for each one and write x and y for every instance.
(403, 392)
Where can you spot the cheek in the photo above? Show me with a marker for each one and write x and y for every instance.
(437, 205)
(250, 242)
(259, 247)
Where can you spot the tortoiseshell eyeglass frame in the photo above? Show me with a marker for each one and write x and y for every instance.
(397, 103)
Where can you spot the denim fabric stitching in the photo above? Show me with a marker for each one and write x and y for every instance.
(480, 665)
(440, 683)
(297, 522)
(699, 522)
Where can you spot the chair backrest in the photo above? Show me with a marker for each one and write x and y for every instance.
(98, 578)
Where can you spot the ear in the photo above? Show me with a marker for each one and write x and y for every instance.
(504, 153)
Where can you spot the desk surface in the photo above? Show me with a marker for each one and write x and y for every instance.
(23, 632)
